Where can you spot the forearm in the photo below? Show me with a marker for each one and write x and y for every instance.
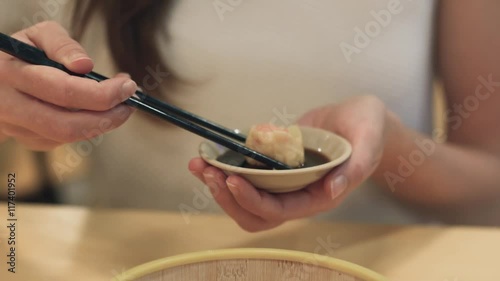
(417, 169)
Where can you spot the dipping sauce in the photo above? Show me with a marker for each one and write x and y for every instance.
(312, 158)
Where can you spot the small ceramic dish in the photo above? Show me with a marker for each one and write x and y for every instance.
(249, 264)
(334, 147)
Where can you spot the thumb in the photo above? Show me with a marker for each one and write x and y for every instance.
(58, 45)
(352, 173)
(337, 182)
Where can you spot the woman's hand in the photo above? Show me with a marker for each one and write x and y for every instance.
(361, 120)
(43, 107)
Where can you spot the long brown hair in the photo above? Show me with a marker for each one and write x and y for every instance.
(132, 27)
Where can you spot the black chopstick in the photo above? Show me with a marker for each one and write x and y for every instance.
(185, 114)
(148, 104)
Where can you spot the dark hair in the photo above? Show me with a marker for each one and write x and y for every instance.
(132, 27)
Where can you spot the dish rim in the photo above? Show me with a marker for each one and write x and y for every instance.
(346, 267)
(249, 171)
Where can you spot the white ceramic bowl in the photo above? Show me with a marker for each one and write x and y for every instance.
(247, 264)
(331, 145)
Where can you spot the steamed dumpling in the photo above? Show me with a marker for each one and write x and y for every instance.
(280, 143)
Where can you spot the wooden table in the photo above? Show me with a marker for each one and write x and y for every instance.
(69, 243)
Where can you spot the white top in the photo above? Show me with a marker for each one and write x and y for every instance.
(247, 62)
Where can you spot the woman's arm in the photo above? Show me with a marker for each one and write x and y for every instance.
(460, 172)
(466, 168)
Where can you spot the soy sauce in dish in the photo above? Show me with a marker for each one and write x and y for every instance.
(312, 158)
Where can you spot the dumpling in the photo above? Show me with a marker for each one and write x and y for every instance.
(281, 143)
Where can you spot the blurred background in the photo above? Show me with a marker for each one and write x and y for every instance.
(37, 172)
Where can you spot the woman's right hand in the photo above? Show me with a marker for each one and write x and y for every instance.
(43, 107)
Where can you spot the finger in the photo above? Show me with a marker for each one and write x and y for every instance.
(196, 166)
(58, 45)
(59, 124)
(365, 158)
(126, 75)
(123, 75)
(280, 207)
(37, 144)
(27, 138)
(18, 132)
(56, 87)
(215, 179)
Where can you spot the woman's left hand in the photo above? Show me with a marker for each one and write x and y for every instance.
(361, 120)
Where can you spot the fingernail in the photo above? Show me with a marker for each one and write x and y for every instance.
(128, 89)
(337, 186)
(211, 183)
(124, 74)
(76, 56)
(208, 176)
(232, 187)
